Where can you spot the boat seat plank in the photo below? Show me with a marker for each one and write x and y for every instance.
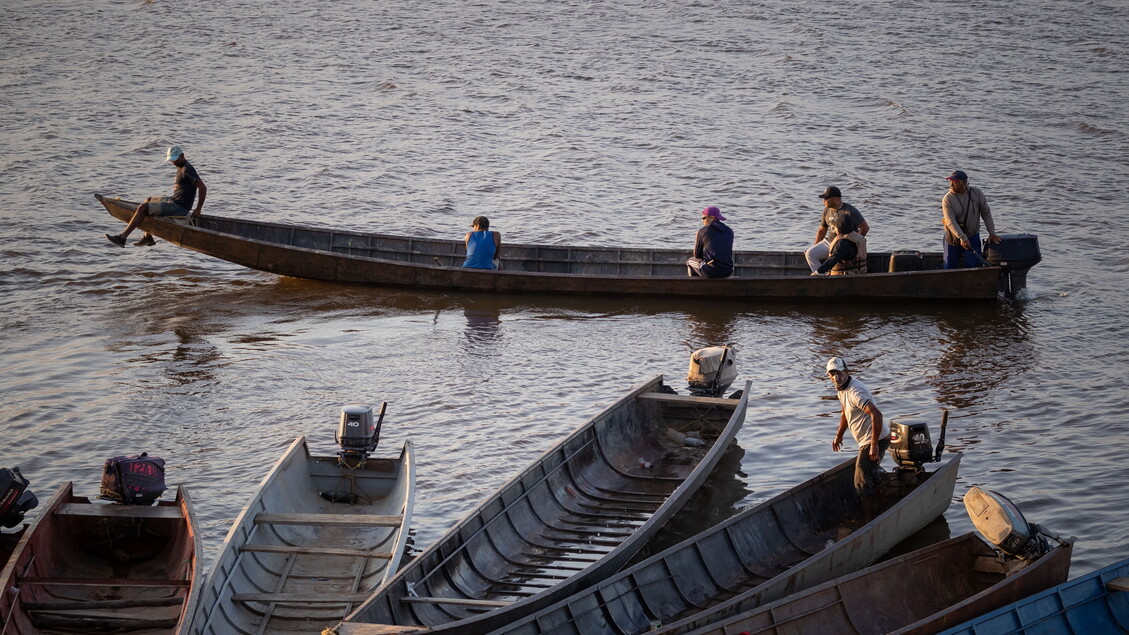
(32, 580)
(1118, 584)
(690, 399)
(120, 511)
(301, 598)
(102, 604)
(455, 601)
(102, 624)
(315, 551)
(360, 628)
(329, 520)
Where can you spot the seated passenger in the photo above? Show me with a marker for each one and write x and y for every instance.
(713, 247)
(838, 218)
(847, 256)
(482, 245)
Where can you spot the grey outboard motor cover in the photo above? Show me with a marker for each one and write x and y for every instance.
(1000, 521)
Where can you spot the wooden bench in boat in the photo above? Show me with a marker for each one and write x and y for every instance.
(117, 582)
(691, 399)
(168, 512)
(315, 551)
(329, 520)
(301, 598)
(1118, 584)
(456, 601)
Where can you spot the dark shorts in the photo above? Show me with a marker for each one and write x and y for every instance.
(164, 206)
(867, 472)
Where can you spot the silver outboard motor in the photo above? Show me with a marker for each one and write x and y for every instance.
(357, 433)
(712, 370)
(1002, 524)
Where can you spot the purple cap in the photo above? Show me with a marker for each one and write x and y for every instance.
(712, 211)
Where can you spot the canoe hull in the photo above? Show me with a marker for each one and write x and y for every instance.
(294, 560)
(85, 566)
(385, 260)
(918, 593)
(799, 538)
(1097, 602)
(572, 518)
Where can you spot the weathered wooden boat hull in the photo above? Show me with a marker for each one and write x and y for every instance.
(570, 519)
(293, 560)
(86, 567)
(1097, 602)
(795, 540)
(354, 257)
(918, 593)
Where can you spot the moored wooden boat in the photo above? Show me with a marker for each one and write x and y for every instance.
(1097, 602)
(917, 593)
(799, 538)
(380, 259)
(91, 567)
(573, 517)
(316, 539)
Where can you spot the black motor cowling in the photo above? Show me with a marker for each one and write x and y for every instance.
(358, 432)
(15, 499)
(1016, 253)
(909, 442)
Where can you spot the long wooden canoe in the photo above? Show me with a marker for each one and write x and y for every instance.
(430, 263)
(1097, 602)
(801, 537)
(918, 593)
(91, 567)
(572, 518)
(316, 540)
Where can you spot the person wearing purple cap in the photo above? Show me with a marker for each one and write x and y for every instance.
(713, 247)
(961, 210)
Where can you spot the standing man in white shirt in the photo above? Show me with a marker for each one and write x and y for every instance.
(870, 430)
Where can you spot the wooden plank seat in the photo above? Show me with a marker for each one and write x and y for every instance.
(328, 520)
(91, 624)
(721, 402)
(456, 601)
(79, 605)
(108, 582)
(301, 598)
(168, 512)
(315, 551)
(1118, 584)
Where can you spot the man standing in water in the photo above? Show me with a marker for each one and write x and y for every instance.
(713, 247)
(184, 190)
(870, 431)
(961, 210)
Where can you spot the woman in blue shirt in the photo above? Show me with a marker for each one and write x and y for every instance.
(482, 245)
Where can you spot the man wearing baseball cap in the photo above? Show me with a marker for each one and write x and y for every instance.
(185, 185)
(859, 413)
(961, 210)
(713, 247)
(838, 219)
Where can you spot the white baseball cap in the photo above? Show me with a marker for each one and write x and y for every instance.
(836, 363)
(174, 153)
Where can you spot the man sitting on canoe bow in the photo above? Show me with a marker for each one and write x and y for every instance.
(713, 247)
(185, 186)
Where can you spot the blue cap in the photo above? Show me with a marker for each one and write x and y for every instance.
(174, 153)
(958, 175)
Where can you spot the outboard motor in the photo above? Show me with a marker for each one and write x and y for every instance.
(1016, 253)
(910, 445)
(1002, 524)
(712, 370)
(15, 499)
(357, 433)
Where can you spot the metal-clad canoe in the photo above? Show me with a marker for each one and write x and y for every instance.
(572, 518)
(802, 537)
(296, 560)
(387, 260)
(918, 593)
(1097, 602)
(92, 567)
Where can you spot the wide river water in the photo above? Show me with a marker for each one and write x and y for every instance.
(567, 122)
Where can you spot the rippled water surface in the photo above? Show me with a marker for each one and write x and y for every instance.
(564, 122)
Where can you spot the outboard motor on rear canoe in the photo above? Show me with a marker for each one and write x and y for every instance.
(1002, 524)
(357, 433)
(712, 370)
(1016, 253)
(15, 499)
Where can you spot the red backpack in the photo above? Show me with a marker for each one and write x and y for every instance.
(133, 480)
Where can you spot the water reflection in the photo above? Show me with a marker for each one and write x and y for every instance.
(483, 324)
(713, 503)
(981, 348)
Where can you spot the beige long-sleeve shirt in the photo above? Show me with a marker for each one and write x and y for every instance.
(962, 213)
